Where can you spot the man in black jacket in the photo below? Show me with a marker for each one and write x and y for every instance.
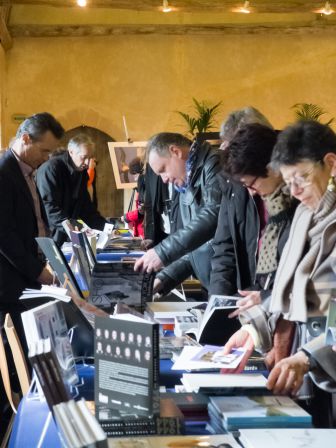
(22, 218)
(192, 169)
(62, 182)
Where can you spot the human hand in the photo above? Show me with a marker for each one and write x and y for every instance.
(240, 339)
(287, 375)
(250, 298)
(46, 277)
(157, 286)
(147, 244)
(150, 262)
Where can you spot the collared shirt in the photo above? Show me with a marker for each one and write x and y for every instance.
(28, 174)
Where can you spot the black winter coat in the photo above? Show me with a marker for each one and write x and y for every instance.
(65, 195)
(199, 207)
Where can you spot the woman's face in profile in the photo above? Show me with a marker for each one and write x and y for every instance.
(307, 181)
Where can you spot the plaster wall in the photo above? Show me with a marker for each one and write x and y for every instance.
(96, 80)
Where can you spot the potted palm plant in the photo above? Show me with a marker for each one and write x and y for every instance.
(308, 111)
(203, 119)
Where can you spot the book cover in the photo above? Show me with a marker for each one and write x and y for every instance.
(59, 264)
(214, 326)
(48, 321)
(118, 282)
(279, 438)
(127, 365)
(262, 411)
(195, 441)
(225, 384)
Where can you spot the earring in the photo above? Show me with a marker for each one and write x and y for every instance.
(331, 184)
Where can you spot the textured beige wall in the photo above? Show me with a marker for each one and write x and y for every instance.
(95, 80)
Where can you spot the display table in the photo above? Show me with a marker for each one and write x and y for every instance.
(33, 425)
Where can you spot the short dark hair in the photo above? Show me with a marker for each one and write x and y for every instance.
(38, 124)
(160, 143)
(250, 150)
(304, 140)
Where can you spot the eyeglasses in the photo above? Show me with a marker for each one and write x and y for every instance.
(250, 186)
(302, 180)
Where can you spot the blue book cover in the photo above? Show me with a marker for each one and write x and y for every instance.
(260, 412)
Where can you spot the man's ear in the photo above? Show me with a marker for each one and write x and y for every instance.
(26, 139)
(175, 151)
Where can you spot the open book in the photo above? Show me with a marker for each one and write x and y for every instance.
(214, 327)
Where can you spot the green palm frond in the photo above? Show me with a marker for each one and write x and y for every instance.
(308, 111)
(203, 120)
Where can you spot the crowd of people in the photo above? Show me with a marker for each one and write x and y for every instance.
(255, 218)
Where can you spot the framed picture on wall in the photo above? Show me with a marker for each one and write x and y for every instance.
(122, 153)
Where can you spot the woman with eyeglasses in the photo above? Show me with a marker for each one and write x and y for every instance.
(246, 160)
(305, 283)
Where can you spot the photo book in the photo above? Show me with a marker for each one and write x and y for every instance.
(127, 366)
(118, 282)
(48, 321)
(214, 327)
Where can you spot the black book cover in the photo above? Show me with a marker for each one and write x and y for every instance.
(35, 358)
(60, 384)
(127, 366)
(117, 282)
(59, 264)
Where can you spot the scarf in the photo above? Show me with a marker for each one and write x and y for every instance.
(280, 207)
(190, 167)
(296, 292)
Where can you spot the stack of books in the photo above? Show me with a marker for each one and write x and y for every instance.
(233, 412)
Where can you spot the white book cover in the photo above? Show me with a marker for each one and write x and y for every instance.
(289, 438)
(194, 381)
(48, 321)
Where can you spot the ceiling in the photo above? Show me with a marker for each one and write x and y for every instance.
(53, 18)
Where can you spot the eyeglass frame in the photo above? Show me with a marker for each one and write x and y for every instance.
(302, 180)
(251, 184)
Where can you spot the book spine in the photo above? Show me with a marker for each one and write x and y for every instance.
(156, 370)
(37, 366)
(49, 380)
(55, 370)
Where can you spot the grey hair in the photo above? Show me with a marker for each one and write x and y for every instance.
(160, 143)
(239, 118)
(78, 140)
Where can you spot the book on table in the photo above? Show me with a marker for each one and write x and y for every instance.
(116, 282)
(195, 441)
(79, 315)
(225, 384)
(50, 375)
(236, 412)
(214, 327)
(48, 321)
(292, 437)
(165, 312)
(77, 426)
(127, 378)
